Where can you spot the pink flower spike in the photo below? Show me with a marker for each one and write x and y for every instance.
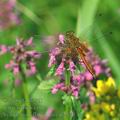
(61, 38)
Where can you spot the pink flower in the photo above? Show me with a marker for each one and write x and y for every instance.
(75, 91)
(54, 90)
(7, 66)
(98, 69)
(54, 52)
(88, 76)
(57, 87)
(60, 69)
(33, 54)
(78, 79)
(61, 38)
(8, 17)
(32, 67)
(16, 69)
(18, 82)
(49, 113)
(30, 41)
(91, 97)
(72, 66)
(3, 49)
(22, 54)
(52, 61)
(67, 59)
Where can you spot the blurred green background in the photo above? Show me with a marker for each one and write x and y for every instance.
(95, 21)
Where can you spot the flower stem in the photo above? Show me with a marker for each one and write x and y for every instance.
(67, 78)
(67, 114)
(28, 13)
(26, 96)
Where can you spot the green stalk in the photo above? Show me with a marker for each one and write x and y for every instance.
(26, 96)
(28, 13)
(67, 115)
(27, 102)
(67, 78)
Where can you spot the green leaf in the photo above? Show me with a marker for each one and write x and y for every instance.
(77, 109)
(86, 15)
(47, 84)
(52, 71)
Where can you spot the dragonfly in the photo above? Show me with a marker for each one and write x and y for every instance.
(74, 47)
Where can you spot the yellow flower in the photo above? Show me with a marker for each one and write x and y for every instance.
(95, 107)
(89, 116)
(112, 113)
(118, 93)
(94, 116)
(105, 107)
(104, 86)
(110, 83)
(113, 107)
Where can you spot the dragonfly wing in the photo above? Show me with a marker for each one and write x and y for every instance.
(86, 63)
(84, 46)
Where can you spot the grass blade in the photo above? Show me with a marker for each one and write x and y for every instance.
(86, 15)
(107, 51)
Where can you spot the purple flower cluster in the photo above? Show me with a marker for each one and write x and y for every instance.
(74, 90)
(65, 62)
(8, 17)
(22, 54)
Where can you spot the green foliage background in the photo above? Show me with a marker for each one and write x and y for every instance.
(92, 20)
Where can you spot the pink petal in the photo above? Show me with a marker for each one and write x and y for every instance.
(52, 61)
(61, 38)
(72, 66)
(88, 76)
(98, 69)
(30, 41)
(60, 69)
(54, 90)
